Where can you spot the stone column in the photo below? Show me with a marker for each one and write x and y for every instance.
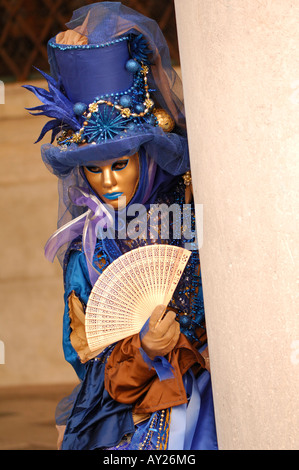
(240, 70)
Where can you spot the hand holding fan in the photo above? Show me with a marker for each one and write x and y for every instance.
(127, 292)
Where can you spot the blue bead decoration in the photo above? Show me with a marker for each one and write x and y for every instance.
(139, 108)
(125, 101)
(64, 47)
(132, 66)
(185, 321)
(79, 108)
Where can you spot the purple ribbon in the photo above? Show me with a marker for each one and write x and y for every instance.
(85, 225)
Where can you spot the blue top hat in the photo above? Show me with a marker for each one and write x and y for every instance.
(90, 71)
(111, 95)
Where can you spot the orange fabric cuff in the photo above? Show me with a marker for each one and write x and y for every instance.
(128, 378)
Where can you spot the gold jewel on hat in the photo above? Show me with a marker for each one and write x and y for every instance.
(165, 121)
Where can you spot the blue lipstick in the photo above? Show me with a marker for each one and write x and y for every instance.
(112, 196)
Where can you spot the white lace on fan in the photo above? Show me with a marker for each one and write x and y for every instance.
(127, 292)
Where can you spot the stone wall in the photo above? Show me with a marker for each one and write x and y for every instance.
(31, 290)
(239, 61)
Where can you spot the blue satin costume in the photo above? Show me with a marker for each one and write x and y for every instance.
(95, 420)
(79, 75)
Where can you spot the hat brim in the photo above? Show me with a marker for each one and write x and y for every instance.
(62, 160)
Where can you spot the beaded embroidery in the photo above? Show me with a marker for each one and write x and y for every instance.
(107, 123)
(152, 435)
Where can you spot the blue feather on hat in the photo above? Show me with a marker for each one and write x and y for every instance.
(56, 105)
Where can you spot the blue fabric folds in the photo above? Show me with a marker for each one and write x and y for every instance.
(96, 420)
(76, 279)
(205, 437)
(160, 364)
(193, 425)
(170, 151)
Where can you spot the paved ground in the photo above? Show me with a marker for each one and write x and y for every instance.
(27, 416)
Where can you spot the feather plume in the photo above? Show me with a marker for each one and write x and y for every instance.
(139, 49)
(55, 105)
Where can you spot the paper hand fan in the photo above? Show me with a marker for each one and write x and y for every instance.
(126, 293)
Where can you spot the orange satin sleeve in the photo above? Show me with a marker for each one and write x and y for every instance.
(128, 378)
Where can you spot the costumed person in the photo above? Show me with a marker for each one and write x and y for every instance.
(119, 125)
